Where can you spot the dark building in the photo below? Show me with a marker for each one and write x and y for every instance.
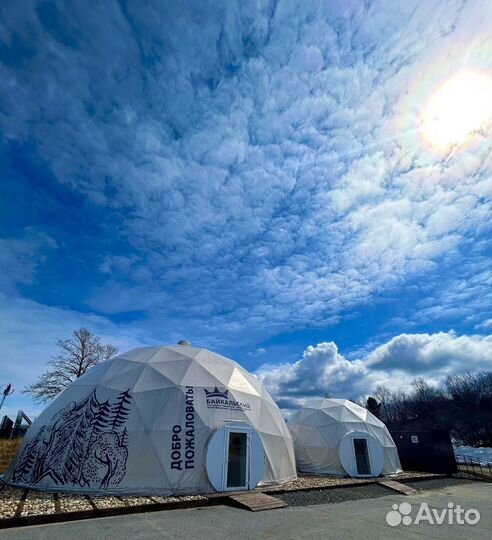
(6, 427)
(13, 430)
(426, 450)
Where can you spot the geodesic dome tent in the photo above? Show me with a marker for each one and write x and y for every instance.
(169, 420)
(337, 436)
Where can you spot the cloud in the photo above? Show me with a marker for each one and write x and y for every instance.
(485, 325)
(259, 162)
(20, 257)
(463, 295)
(260, 351)
(322, 369)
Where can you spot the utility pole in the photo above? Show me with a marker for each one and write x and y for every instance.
(9, 390)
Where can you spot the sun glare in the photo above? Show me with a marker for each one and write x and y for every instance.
(461, 107)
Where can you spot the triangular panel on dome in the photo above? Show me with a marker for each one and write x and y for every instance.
(213, 360)
(188, 350)
(163, 409)
(349, 415)
(200, 374)
(141, 354)
(169, 355)
(307, 416)
(325, 420)
(327, 403)
(175, 369)
(151, 378)
(124, 379)
(333, 410)
(312, 437)
(274, 446)
(114, 370)
(278, 420)
(270, 421)
(357, 410)
(145, 469)
(238, 381)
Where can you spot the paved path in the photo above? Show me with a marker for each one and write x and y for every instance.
(348, 520)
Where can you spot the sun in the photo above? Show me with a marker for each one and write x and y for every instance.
(461, 107)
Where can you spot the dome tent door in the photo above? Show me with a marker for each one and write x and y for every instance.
(237, 449)
(235, 458)
(361, 454)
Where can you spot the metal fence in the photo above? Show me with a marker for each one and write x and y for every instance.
(473, 467)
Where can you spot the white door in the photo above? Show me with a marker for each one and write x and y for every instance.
(236, 464)
(361, 454)
(235, 458)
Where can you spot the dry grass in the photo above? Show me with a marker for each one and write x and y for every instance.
(8, 450)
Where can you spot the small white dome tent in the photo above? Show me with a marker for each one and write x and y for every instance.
(338, 437)
(168, 420)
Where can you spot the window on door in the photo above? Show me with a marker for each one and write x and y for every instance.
(362, 461)
(237, 460)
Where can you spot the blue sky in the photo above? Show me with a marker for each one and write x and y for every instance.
(251, 176)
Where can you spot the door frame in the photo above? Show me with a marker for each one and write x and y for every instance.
(371, 474)
(231, 428)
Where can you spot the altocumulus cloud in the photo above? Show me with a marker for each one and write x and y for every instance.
(258, 159)
(395, 364)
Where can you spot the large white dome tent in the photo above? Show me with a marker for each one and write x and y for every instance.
(168, 420)
(339, 437)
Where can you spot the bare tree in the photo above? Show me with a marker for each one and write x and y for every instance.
(423, 392)
(399, 407)
(79, 353)
(383, 394)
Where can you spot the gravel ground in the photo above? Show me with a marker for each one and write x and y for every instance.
(135, 501)
(9, 501)
(335, 495)
(370, 491)
(69, 503)
(305, 481)
(107, 502)
(42, 503)
(437, 483)
(39, 503)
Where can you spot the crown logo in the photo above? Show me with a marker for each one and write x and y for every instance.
(216, 393)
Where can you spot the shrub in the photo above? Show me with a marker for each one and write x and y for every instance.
(8, 450)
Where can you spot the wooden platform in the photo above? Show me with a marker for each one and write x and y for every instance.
(256, 501)
(398, 486)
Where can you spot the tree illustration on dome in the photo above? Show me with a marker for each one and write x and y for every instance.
(85, 444)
